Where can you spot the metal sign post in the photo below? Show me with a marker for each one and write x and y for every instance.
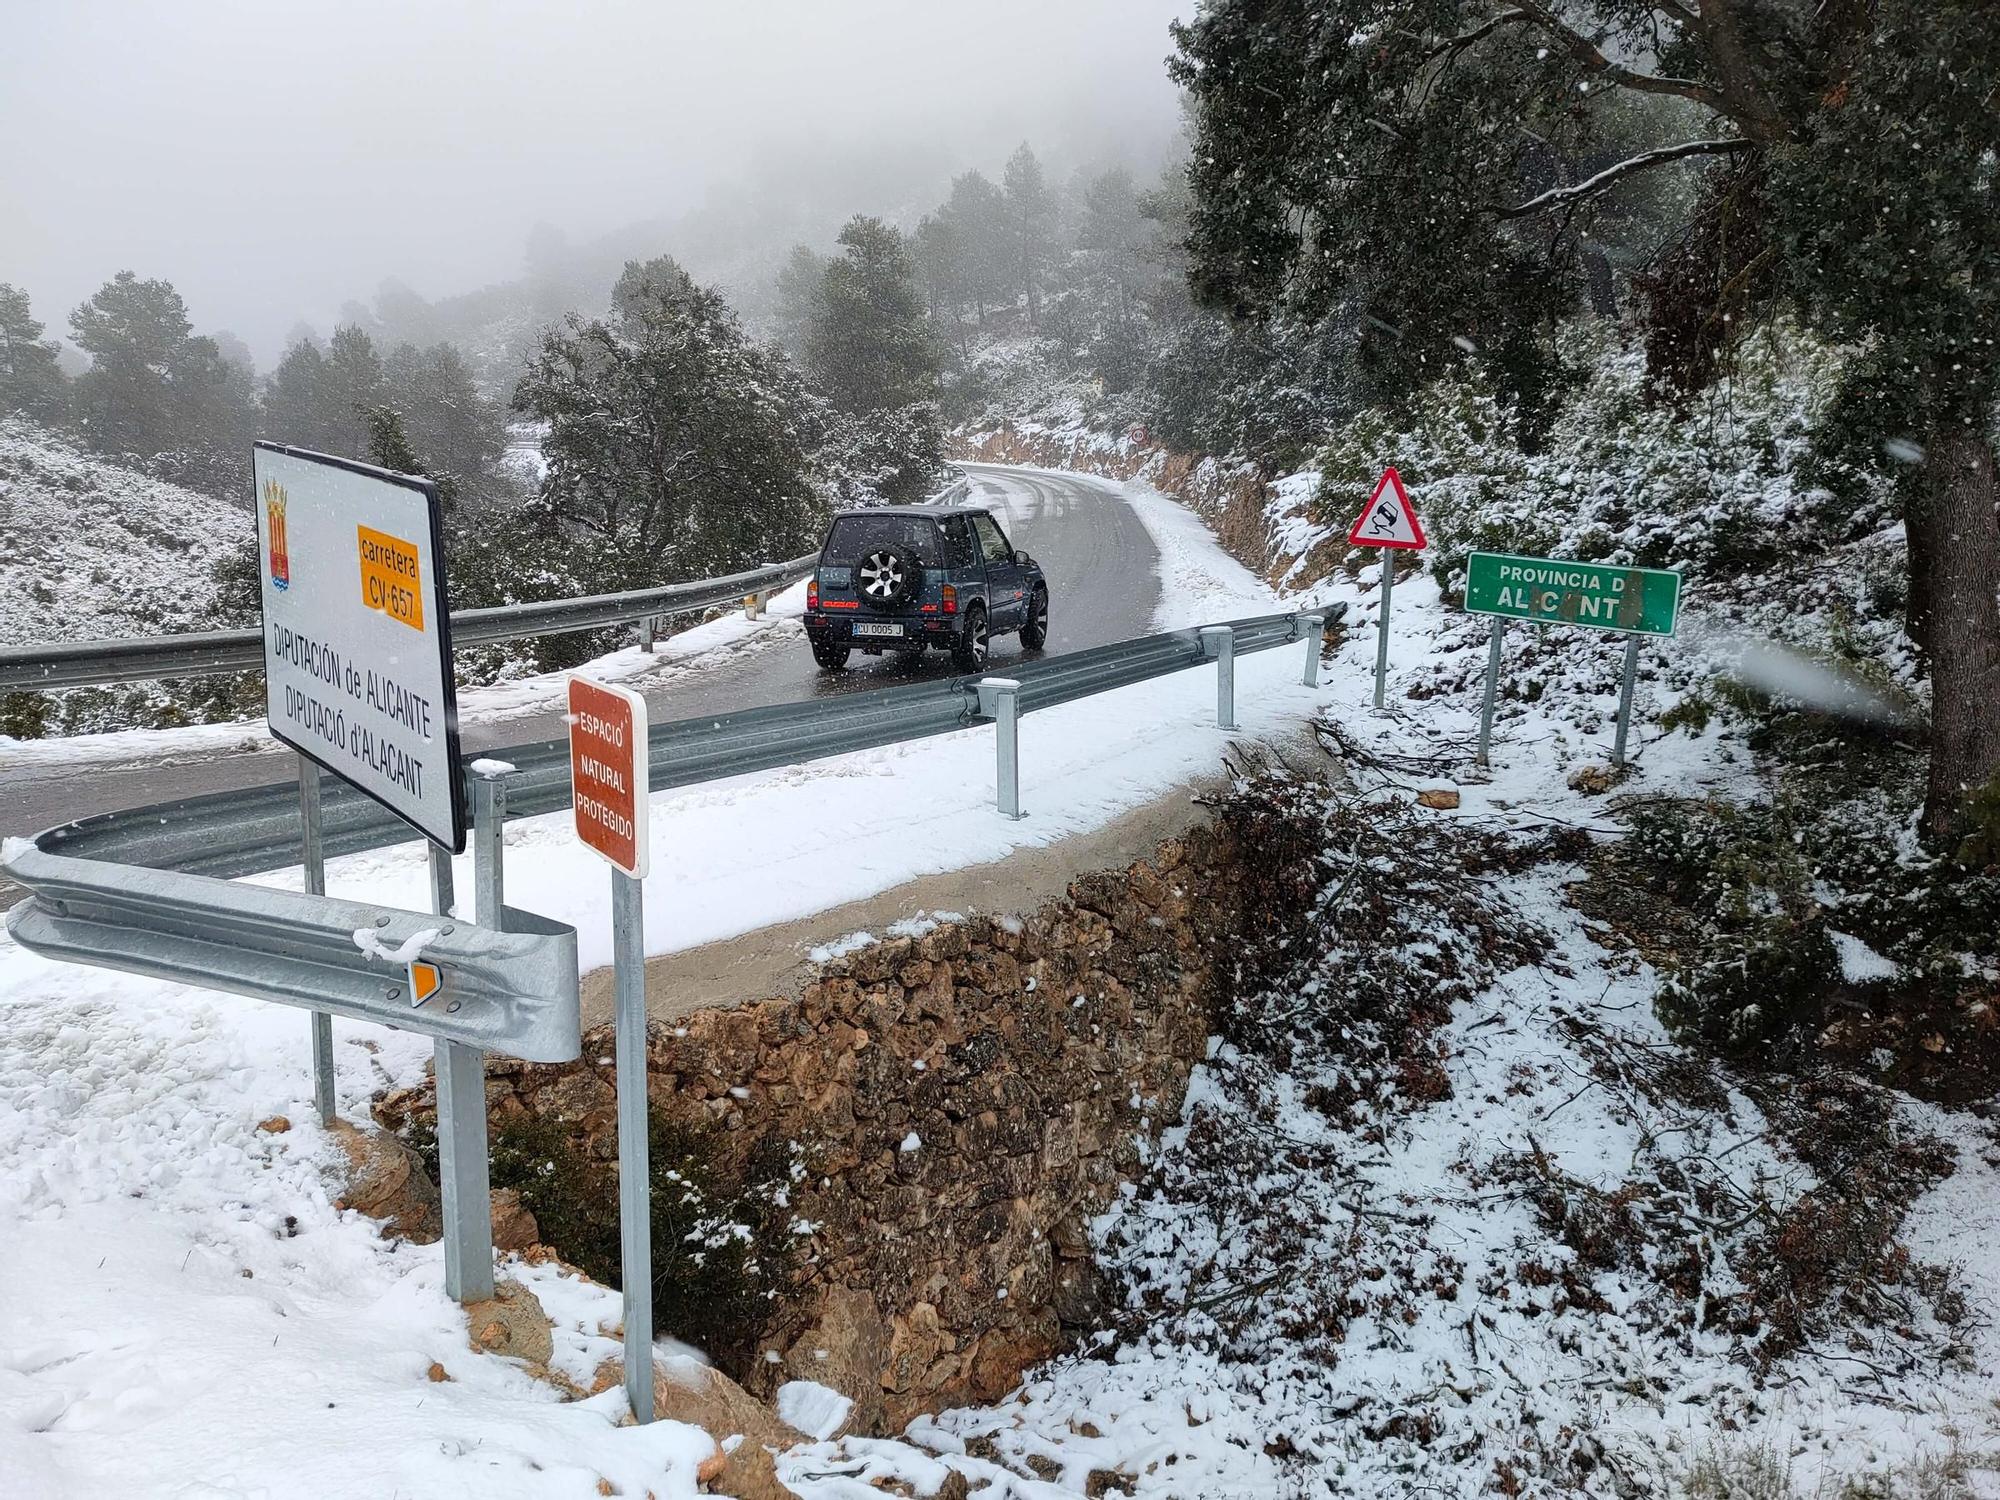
(1382, 627)
(1492, 691)
(635, 1196)
(1634, 602)
(1389, 522)
(313, 858)
(1626, 683)
(609, 773)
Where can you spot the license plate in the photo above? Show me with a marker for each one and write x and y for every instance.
(864, 628)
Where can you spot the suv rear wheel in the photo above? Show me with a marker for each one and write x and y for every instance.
(1035, 630)
(888, 577)
(829, 655)
(968, 652)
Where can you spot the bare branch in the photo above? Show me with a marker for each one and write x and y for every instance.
(1587, 53)
(1591, 186)
(1466, 39)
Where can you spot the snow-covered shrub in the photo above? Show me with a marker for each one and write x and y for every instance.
(880, 458)
(1722, 491)
(721, 1239)
(1778, 887)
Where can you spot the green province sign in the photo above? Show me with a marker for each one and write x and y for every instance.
(1644, 600)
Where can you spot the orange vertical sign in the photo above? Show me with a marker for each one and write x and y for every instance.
(607, 771)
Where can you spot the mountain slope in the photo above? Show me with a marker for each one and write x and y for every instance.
(89, 549)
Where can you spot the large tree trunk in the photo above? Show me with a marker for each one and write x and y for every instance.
(1954, 541)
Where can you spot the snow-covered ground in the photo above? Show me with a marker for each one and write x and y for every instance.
(89, 549)
(1428, 1400)
(188, 1314)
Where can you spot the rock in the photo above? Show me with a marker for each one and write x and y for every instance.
(511, 1324)
(1440, 798)
(847, 1349)
(437, 1373)
(514, 1227)
(1594, 780)
(749, 1473)
(276, 1125)
(386, 1181)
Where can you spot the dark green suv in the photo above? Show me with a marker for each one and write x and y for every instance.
(909, 578)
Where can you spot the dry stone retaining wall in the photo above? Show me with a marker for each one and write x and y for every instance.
(966, 1101)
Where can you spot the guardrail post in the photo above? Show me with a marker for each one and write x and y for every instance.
(313, 857)
(753, 605)
(1315, 628)
(461, 1070)
(1000, 701)
(1219, 641)
(646, 634)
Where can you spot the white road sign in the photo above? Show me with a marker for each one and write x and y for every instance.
(357, 639)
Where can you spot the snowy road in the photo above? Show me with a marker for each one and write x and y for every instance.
(1103, 575)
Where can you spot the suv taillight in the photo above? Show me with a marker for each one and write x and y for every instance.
(812, 593)
(950, 600)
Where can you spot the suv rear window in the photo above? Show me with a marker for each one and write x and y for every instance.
(854, 537)
(959, 551)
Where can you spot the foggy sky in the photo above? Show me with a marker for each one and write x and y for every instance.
(273, 158)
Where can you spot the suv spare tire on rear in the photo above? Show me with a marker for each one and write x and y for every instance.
(888, 576)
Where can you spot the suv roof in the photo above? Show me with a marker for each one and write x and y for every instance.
(940, 511)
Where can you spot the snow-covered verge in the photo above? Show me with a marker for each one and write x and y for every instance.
(188, 1310)
(90, 549)
(1495, 1231)
(541, 692)
(1447, 1212)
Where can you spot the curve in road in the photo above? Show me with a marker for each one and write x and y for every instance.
(1103, 582)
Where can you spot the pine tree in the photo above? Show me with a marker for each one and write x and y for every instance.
(870, 348)
(1441, 165)
(938, 248)
(1030, 215)
(352, 384)
(677, 447)
(293, 401)
(31, 380)
(976, 214)
(799, 283)
(158, 391)
(146, 366)
(459, 432)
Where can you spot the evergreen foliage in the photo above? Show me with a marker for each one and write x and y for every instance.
(1030, 208)
(1441, 172)
(868, 345)
(31, 381)
(677, 448)
(154, 388)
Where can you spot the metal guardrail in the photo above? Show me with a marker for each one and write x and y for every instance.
(147, 890)
(301, 950)
(230, 834)
(66, 664)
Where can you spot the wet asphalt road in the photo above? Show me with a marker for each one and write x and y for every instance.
(1103, 586)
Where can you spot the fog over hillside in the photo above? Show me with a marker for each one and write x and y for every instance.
(278, 163)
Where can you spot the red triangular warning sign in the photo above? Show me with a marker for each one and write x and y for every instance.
(1390, 520)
